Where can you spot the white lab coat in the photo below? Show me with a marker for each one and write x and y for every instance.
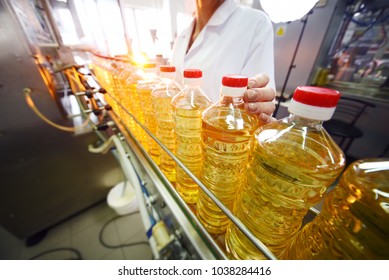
(236, 40)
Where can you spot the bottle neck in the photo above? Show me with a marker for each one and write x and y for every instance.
(233, 100)
(302, 121)
(150, 70)
(232, 95)
(191, 87)
(168, 75)
(193, 81)
(310, 111)
(150, 74)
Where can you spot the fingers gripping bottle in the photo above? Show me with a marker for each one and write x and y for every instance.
(294, 161)
(161, 97)
(144, 88)
(353, 222)
(188, 107)
(226, 133)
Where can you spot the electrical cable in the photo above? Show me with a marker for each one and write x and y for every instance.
(119, 245)
(58, 249)
(31, 104)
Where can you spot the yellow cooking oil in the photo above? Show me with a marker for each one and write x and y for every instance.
(352, 223)
(188, 107)
(294, 161)
(144, 89)
(226, 139)
(161, 97)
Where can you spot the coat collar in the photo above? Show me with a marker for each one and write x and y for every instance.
(218, 18)
(222, 13)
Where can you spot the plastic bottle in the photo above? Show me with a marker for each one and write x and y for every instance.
(226, 133)
(294, 161)
(353, 222)
(132, 103)
(188, 107)
(124, 93)
(161, 97)
(144, 88)
(118, 67)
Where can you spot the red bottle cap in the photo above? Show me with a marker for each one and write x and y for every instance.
(167, 68)
(193, 73)
(235, 81)
(316, 96)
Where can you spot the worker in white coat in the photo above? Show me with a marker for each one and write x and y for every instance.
(225, 38)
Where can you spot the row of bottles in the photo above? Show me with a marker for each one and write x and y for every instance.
(268, 176)
(147, 92)
(212, 141)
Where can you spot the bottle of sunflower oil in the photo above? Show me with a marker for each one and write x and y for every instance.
(117, 68)
(294, 161)
(124, 91)
(226, 139)
(144, 88)
(188, 107)
(161, 97)
(132, 103)
(353, 222)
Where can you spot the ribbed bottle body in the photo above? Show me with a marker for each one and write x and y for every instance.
(144, 89)
(188, 107)
(116, 69)
(161, 98)
(132, 104)
(294, 161)
(124, 97)
(226, 140)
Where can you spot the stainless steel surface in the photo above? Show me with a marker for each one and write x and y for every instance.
(46, 175)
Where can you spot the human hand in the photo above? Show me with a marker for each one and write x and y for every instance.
(259, 98)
